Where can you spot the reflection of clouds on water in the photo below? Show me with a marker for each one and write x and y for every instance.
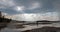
(29, 27)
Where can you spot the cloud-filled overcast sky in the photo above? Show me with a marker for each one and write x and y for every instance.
(34, 7)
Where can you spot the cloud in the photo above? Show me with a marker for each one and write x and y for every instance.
(4, 14)
(34, 5)
(34, 17)
(47, 9)
(30, 6)
(6, 4)
(56, 5)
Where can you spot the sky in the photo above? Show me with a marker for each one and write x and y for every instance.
(31, 10)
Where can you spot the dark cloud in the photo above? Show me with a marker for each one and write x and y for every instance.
(46, 6)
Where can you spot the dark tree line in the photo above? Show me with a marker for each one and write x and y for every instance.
(4, 22)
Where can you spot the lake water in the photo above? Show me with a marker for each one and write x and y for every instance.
(27, 27)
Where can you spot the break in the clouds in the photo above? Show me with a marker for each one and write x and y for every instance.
(41, 7)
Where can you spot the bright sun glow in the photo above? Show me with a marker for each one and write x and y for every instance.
(19, 8)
